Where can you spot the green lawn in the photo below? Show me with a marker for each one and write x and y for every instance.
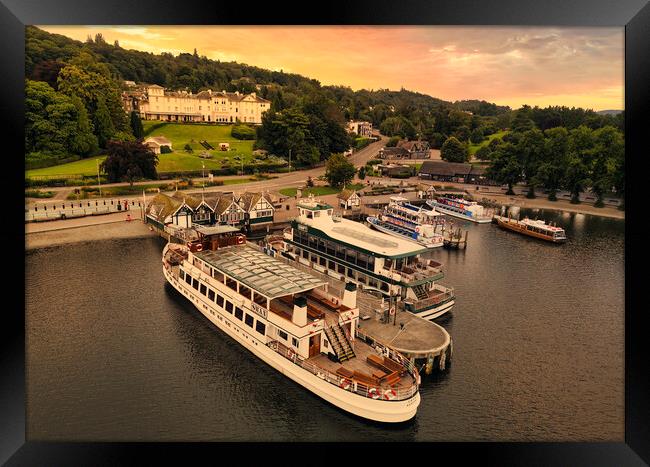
(475, 147)
(178, 160)
(318, 190)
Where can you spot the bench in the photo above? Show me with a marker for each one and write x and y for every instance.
(344, 372)
(378, 362)
(314, 313)
(322, 301)
(365, 378)
(391, 379)
(394, 366)
(379, 374)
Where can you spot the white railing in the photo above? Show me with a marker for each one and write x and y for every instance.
(374, 392)
(72, 209)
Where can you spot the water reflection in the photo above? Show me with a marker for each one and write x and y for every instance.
(119, 356)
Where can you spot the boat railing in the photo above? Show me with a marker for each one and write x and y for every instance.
(447, 293)
(399, 393)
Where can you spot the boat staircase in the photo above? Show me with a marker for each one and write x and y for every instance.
(339, 342)
(421, 292)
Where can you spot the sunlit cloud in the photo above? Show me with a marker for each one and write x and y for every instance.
(506, 65)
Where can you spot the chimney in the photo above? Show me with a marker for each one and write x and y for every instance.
(299, 317)
(350, 295)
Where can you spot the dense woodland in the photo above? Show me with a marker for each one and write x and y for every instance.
(73, 107)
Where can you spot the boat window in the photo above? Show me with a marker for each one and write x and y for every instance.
(305, 254)
(239, 313)
(310, 215)
(195, 284)
(181, 274)
(332, 265)
(220, 301)
(322, 261)
(294, 342)
(384, 286)
(341, 269)
(317, 214)
(249, 320)
(245, 291)
(232, 283)
(211, 294)
(228, 306)
(188, 279)
(260, 327)
(204, 289)
(283, 334)
(259, 299)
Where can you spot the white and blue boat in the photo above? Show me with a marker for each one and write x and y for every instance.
(461, 208)
(410, 222)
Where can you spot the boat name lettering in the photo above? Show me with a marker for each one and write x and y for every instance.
(258, 309)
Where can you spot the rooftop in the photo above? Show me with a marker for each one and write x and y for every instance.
(217, 229)
(259, 271)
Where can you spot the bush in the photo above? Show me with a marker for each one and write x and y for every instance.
(361, 143)
(165, 150)
(392, 142)
(374, 162)
(242, 132)
(39, 194)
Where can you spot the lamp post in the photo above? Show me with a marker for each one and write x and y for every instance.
(98, 180)
(203, 173)
(289, 160)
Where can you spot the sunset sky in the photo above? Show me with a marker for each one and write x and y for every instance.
(543, 66)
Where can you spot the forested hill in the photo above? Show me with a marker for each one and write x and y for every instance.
(46, 53)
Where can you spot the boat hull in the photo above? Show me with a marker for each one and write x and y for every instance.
(441, 208)
(437, 311)
(387, 411)
(514, 227)
(377, 224)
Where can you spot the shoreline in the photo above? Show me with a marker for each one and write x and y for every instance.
(560, 205)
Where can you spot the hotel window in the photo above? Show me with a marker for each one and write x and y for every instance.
(220, 301)
(239, 314)
(228, 306)
(283, 335)
(211, 295)
(204, 289)
(260, 327)
(249, 320)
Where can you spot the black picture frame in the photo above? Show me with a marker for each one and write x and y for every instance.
(634, 15)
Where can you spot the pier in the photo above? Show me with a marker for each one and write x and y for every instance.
(423, 342)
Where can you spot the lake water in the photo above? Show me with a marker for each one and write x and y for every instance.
(113, 354)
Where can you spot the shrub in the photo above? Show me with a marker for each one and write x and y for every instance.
(165, 150)
(392, 142)
(242, 132)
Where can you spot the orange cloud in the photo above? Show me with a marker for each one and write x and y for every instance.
(506, 65)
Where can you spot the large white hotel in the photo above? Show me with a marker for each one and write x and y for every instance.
(153, 102)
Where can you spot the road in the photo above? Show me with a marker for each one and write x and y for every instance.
(283, 180)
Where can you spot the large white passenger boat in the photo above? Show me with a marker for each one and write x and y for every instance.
(290, 320)
(404, 220)
(461, 208)
(352, 251)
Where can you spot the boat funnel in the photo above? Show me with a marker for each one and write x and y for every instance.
(350, 295)
(299, 317)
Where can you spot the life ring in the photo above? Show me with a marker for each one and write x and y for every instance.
(291, 354)
(345, 384)
(199, 247)
(373, 393)
(240, 240)
(390, 394)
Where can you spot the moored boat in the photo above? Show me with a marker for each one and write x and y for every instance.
(377, 262)
(402, 219)
(291, 321)
(461, 208)
(532, 228)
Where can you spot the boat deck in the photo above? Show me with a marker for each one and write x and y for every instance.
(360, 364)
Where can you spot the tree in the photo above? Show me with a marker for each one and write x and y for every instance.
(609, 158)
(310, 182)
(392, 141)
(454, 151)
(339, 171)
(84, 142)
(550, 172)
(476, 136)
(531, 149)
(129, 161)
(483, 153)
(104, 128)
(576, 177)
(136, 126)
(522, 121)
(506, 168)
(362, 173)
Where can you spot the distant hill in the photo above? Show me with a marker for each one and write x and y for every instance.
(609, 112)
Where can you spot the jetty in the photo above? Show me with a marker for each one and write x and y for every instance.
(425, 343)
